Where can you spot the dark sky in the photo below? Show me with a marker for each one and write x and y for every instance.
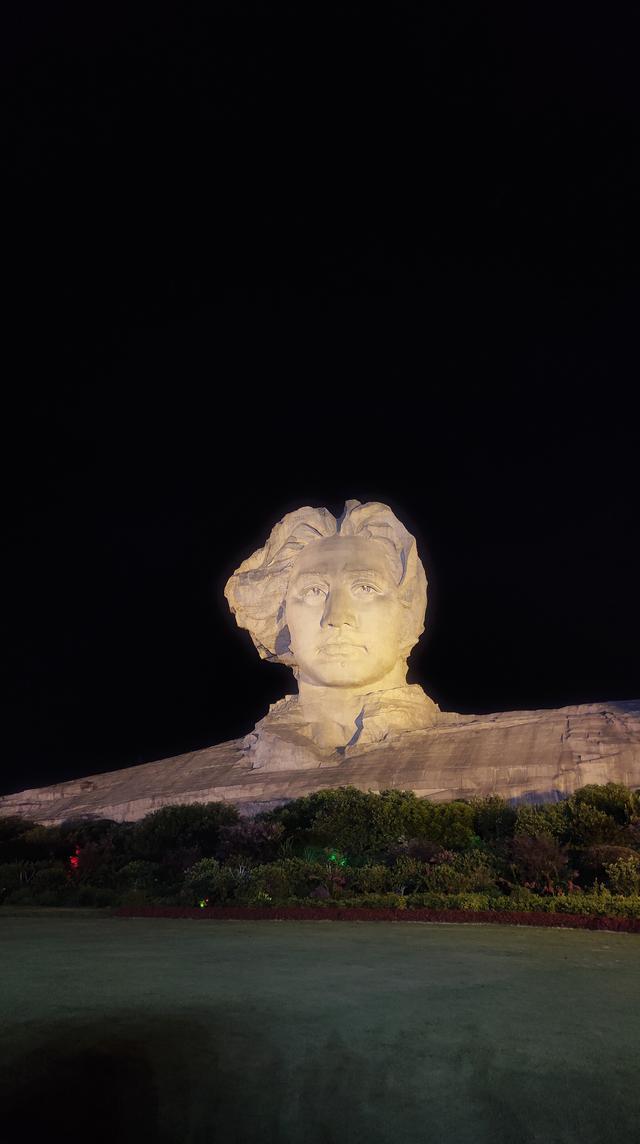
(262, 259)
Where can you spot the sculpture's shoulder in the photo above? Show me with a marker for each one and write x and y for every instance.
(400, 709)
(284, 739)
(283, 711)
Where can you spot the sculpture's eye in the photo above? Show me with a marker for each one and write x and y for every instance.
(313, 593)
(365, 589)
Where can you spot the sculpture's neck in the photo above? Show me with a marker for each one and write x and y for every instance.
(334, 710)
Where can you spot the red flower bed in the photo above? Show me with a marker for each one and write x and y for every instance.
(336, 913)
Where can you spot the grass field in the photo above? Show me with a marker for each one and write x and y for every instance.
(193, 1032)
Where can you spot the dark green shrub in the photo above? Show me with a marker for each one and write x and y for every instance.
(12, 830)
(452, 825)
(208, 881)
(631, 832)
(423, 849)
(321, 893)
(538, 862)
(389, 901)
(592, 862)
(20, 875)
(464, 873)
(175, 828)
(600, 903)
(60, 842)
(81, 830)
(257, 840)
(135, 897)
(123, 839)
(43, 842)
(444, 901)
(37, 883)
(478, 870)
(400, 813)
(522, 898)
(138, 875)
(613, 799)
(442, 878)
(96, 896)
(461, 872)
(22, 896)
(624, 875)
(51, 878)
(586, 825)
(289, 877)
(97, 863)
(335, 845)
(172, 867)
(298, 815)
(406, 875)
(370, 880)
(494, 819)
(50, 898)
(13, 876)
(325, 854)
(355, 821)
(549, 820)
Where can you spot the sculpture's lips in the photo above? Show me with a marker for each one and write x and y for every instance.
(339, 648)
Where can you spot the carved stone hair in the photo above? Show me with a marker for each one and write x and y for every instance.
(257, 591)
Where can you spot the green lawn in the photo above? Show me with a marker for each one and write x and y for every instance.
(193, 1032)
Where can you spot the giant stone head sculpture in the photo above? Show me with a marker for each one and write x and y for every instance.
(342, 602)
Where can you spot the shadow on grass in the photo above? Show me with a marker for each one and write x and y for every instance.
(177, 1081)
(235, 1076)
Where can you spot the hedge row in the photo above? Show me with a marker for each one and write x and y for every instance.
(339, 913)
(341, 848)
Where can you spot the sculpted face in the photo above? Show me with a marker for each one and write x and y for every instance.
(343, 612)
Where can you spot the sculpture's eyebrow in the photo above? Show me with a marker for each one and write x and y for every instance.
(373, 572)
(310, 575)
(320, 571)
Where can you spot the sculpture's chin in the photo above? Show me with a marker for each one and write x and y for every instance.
(341, 678)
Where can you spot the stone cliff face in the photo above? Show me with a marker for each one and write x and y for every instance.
(521, 755)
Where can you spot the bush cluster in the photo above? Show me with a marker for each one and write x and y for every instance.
(579, 855)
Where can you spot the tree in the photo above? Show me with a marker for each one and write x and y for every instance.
(587, 825)
(182, 827)
(494, 818)
(452, 825)
(624, 875)
(542, 819)
(12, 830)
(356, 821)
(613, 799)
(540, 861)
(257, 840)
(594, 860)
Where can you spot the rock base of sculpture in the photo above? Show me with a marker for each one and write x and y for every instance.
(535, 756)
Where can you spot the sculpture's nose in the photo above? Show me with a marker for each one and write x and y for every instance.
(338, 609)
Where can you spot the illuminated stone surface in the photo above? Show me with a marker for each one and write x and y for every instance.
(541, 754)
(342, 602)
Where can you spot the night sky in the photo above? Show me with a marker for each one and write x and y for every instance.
(262, 259)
